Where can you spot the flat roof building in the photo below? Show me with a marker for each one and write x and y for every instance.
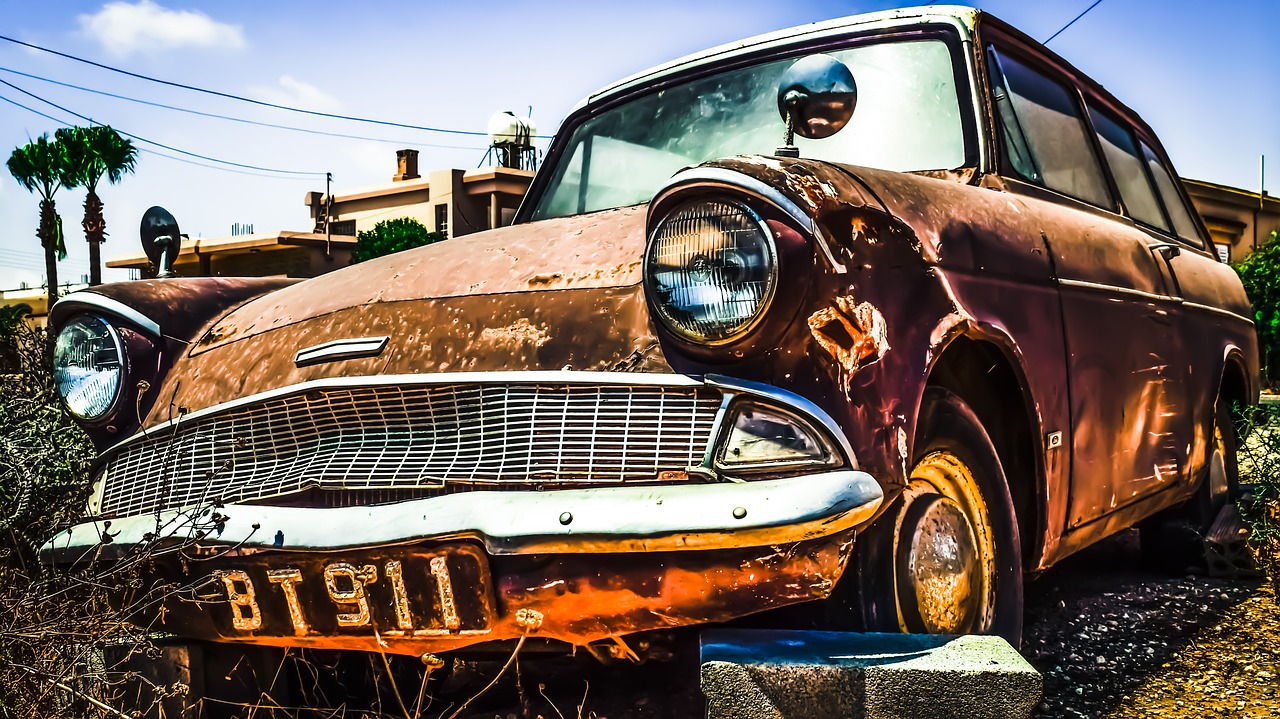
(455, 202)
(1239, 221)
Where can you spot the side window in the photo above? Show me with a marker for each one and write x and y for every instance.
(1122, 156)
(1044, 133)
(1178, 212)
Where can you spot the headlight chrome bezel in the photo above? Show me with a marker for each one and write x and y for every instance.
(60, 366)
(663, 312)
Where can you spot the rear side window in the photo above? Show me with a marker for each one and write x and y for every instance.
(1178, 212)
(1044, 133)
(1122, 156)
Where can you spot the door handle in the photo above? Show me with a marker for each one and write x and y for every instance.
(1167, 250)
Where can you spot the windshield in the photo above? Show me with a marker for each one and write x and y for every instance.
(907, 118)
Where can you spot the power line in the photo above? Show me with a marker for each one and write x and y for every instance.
(241, 98)
(1095, 4)
(249, 173)
(230, 118)
(157, 153)
(159, 144)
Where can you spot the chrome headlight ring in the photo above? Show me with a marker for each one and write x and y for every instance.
(89, 367)
(710, 269)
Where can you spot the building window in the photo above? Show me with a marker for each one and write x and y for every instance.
(442, 219)
(344, 227)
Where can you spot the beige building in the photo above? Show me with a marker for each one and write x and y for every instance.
(456, 202)
(1238, 220)
(37, 299)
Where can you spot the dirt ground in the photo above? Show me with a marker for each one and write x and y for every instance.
(1116, 640)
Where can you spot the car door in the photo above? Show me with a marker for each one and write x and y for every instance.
(1127, 370)
(1213, 314)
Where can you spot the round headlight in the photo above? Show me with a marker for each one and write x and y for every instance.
(711, 270)
(88, 366)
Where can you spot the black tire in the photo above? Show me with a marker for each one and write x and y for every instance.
(1172, 540)
(893, 593)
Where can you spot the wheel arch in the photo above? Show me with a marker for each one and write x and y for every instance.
(1235, 384)
(984, 370)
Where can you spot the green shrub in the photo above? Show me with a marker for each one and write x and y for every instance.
(1259, 462)
(1260, 274)
(389, 236)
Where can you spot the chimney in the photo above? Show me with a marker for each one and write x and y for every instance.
(406, 165)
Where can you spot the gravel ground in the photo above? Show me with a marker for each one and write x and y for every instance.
(1112, 639)
(1115, 640)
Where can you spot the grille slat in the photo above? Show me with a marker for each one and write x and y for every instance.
(393, 440)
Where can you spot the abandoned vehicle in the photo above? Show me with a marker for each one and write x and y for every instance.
(870, 319)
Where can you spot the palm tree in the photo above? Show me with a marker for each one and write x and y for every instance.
(96, 152)
(42, 166)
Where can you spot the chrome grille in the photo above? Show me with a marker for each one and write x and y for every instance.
(414, 438)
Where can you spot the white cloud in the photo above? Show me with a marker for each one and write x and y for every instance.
(145, 27)
(295, 93)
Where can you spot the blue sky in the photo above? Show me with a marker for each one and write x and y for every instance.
(1204, 76)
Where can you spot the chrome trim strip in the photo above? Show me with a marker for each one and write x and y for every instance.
(720, 177)
(1081, 284)
(93, 300)
(1217, 310)
(351, 348)
(616, 519)
(963, 19)
(1150, 296)
(714, 437)
(799, 404)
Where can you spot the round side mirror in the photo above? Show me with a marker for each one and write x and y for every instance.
(816, 96)
(161, 239)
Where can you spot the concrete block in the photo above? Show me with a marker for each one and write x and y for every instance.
(766, 674)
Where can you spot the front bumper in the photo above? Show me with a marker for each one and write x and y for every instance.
(587, 564)
(609, 519)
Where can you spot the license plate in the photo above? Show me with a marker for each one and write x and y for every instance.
(393, 592)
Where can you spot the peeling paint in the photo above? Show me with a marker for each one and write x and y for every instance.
(944, 330)
(855, 335)
(520, 332)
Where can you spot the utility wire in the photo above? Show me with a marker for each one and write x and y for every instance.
(159, 144)
(157, 153)
(1095, 4)
(232, 119)
(249, 173)
(166, 156)
(241, 98)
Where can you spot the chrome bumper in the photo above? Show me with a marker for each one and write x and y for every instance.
(613, 519)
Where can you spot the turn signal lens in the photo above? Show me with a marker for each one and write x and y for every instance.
(710, 270)
(766, 437)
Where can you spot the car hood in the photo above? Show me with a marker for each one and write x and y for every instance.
(552, 295)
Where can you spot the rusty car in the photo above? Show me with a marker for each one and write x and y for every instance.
(852, 325)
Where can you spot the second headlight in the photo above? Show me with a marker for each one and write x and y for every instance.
(711, 269)
(88, 366)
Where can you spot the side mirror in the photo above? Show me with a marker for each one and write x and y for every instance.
(161, 239)
(816, 98)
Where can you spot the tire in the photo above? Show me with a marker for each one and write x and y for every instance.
(946, 557)
(1172, 540)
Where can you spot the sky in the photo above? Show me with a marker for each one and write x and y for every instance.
(1203, 75)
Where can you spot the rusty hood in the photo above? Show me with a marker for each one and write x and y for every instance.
(552, 295)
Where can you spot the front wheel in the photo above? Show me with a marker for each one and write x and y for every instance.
(946, 558)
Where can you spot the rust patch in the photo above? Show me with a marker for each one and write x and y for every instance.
(568, 598)
(517, 334)
(855, 335)
(946, 328)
